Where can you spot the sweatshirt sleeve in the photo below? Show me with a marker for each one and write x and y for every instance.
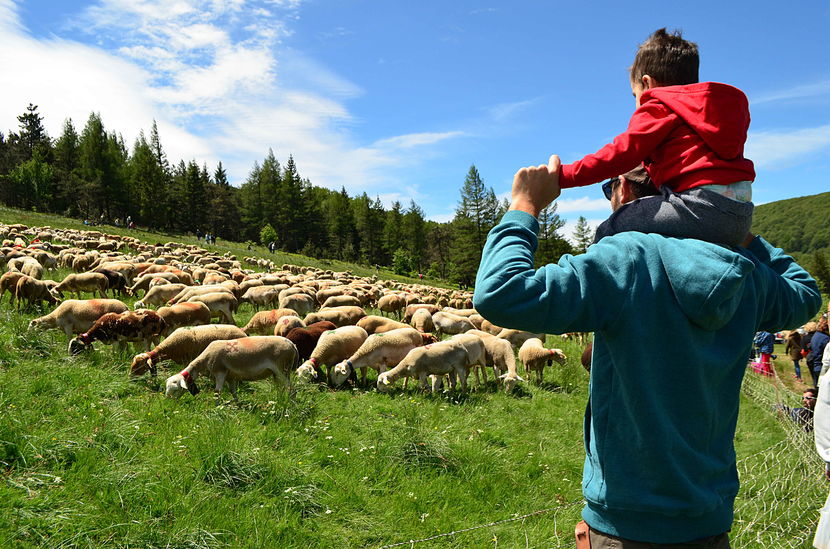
(792, 295)
(649, 126)
(576, 294)
(821, 418)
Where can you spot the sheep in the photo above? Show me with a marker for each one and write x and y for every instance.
(422, 321)
(137, 326)
(448, 323)
(534, 355)
(183, 314)
(27, 265)
(332, 347)
(288, 323)
(159, 295)
(143, 282)
(182, 346)
(340, 301)
(379, 351)
(244, 359)
(518, 337)
(379, 324)
(410, 310)
(83, 282)
(302, 303)
(490, 328)
(33, 290)
(75, 316)
(340, 316)
(501, 358)
(454, 357)
(392, 303)
(264, 322)
(260, 296)
(221, 305)
(306, 338)
(192, 291)
(466, 313)
(8, 282)
(116, 280)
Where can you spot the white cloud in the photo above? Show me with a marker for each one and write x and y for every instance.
(798, 92)
(583, 204)
(504, 111)
(415, 139)
(442, 218)
(781, 149)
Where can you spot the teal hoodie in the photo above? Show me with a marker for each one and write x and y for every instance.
(674, 321)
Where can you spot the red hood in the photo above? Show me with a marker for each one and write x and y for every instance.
(717, 112)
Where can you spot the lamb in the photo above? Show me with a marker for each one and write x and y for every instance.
(534, 356)
(243, 359)
(75, 316)
(83, 282)
(501, 358)
(183, 314)
(448, 323)
(340, 316)
(306, 338)
(340, 301)
(183, 346)
(332, 347)
(143, 326)
(221, 305)
(518, 337)
(392, 303)
(33, 291)
(264, 322)
(300, 302)
(159, 295)
(379, 351)
(454, 357)
(379, 324)
(422, 321)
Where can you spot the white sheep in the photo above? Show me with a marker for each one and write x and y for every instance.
(340, 301)
(75, 316)
(33, 291)
(192, 291)
(392, 304)
(379, 351)
(448, 323)
(82, 282)
(333, 347)
(501, 358)
(340, 316)
(287, 323)
(221, 305)
(534, 355)
(300, 302)
(453, 357)
(183, 345)
(264, 322)
(374, 324)
(518, 337)
(244, 359)
(422, 321)
(159, 295)
(183, 314)
(260, 296)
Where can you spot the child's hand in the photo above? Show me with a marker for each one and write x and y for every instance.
(536, 187)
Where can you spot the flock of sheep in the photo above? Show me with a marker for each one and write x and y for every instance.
(312, 319)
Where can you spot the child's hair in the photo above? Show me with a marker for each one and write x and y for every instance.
(667, 58)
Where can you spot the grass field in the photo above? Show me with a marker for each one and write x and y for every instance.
(91, 459)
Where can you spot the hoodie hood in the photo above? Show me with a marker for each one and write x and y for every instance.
(708, 301)
(718, 113)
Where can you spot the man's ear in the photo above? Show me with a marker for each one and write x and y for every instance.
(648, 82)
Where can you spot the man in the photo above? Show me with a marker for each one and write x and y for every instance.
(673, 321)
(816, 347)
(802, 416)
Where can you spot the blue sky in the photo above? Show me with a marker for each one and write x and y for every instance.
(398, 99)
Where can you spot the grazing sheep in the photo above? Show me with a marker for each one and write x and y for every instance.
(83, 282)
(221, 305)
(260, 296)
(143, 282)
(29, 266)
(501, 358)
(410, 310)
(340, 301)
(341, 316)
(518, 337)
(288, 323)
(75, 316)
(534, 356)
(392, 304)
(453, 357)
(117, 282)
(466, 313)
(448, 323)
(192, 291)
(33, 291)
(332, 347)
(183, 345)
(143, 326)
(8, 282)
(244, 359)
(379, 324)
(422, 321)
(159, 295)
(379, 351)
(302, 303)
(306, 338)
(264, 322)
(183, 314)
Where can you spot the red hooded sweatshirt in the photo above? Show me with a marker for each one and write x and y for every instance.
(686, 136)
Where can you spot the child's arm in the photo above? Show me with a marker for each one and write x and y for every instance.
(650, 125)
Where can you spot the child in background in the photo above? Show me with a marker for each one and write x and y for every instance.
(690, 137)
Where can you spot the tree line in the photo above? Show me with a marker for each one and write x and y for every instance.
(94, 175)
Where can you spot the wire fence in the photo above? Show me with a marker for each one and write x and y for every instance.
(777, 506)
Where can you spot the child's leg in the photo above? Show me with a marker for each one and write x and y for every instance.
(697, 213)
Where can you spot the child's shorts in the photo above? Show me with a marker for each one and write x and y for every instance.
(696, 213)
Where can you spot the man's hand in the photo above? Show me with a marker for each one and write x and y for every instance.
(536, 187)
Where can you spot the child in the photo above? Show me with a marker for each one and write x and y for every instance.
(690, 137)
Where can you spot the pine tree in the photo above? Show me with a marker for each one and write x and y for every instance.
(821, 271)
(342, 229)
(474, 217)
(393, 235)
(414, 235)
(223, 216)
(66, 164)
(33, 136)
(551, 245)
(583, 236)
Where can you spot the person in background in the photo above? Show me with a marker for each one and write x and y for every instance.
(802, 416)
(793, 349)
(816, 348)
(765, 343)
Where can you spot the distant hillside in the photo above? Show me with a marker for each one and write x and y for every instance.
(800, 226)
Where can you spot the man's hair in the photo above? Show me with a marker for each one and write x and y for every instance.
(812, 390)
(642, 185)
(667, 58)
